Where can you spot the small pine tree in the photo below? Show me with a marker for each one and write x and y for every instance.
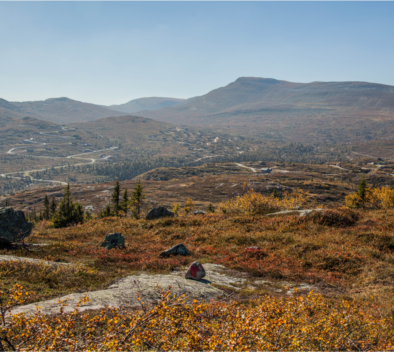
(47, 210)
(69, 213)
(137, 199)
(106, 212)
(53, 207)
(125, 202)
(115, 198)
(275, 193)
(211, 208)
(362, 188)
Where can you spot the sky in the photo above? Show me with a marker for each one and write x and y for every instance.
(112, 52)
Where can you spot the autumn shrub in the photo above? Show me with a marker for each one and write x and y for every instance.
(372, 198)
(256, 203)
(276, 323)
(333, 217)
(49, 278)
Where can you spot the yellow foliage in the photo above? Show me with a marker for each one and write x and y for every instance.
(375, 198)
(175, 208)
(276, 323)
(189, 206)
(257, 203)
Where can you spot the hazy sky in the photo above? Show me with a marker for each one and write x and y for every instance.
(112, 52)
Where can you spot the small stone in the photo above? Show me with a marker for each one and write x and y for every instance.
(159, 212)
(113, 240)
(252, 249)
(179, 249)
(199, 212)
(195, 272)
(13, 225)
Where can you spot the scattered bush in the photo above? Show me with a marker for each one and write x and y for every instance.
(334, 218)
(371, 198)
(253, 203)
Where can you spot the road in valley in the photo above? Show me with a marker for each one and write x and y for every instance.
(26, 173)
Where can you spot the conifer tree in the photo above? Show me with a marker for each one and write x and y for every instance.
(125, 202)
(69, 213)
(116, 198)
(47, 211)
(362, 188)
(106, 212)
(211, 208)
(53, 206)
(137, 199)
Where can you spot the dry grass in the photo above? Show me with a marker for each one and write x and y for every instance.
(342, 249)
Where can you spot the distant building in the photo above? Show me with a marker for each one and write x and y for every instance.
(266, 170)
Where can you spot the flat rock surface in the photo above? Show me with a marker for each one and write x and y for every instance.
(12, 258)
(301, 212)
(125, 291)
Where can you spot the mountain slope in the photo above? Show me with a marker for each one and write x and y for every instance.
(336, 111)
(153, 103)
(58, 110)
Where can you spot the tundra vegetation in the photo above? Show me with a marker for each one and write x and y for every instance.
(346, 253)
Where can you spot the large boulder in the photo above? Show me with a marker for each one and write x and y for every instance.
(113, 240)
(13, 225)
(195, 272)
(159, 212)
(179, 249)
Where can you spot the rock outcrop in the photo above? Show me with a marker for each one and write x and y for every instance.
(113, 240)
(13, 225)
(179, 249)
(159, 212)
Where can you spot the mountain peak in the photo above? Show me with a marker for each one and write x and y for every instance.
(257, 80)
(58, 99)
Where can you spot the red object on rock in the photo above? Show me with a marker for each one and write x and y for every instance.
(196, 271)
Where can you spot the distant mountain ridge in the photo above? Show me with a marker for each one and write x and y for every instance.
(57, 110)
(152, 103)
(319, 110)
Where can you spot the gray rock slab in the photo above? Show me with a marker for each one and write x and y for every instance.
(125, 293)
(10, 258)
(300, 212)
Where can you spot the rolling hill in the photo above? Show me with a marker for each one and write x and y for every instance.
(153, 103)
(317, 111)
(58, 110)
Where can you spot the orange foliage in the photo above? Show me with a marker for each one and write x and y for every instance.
(285, 323)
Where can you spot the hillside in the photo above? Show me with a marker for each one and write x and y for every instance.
(58, 110)
(313, 112)
(153, 103)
